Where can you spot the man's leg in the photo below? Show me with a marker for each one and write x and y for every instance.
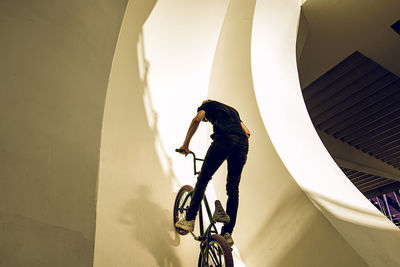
(215, 156)
(236, 161)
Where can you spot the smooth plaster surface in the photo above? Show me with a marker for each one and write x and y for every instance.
(289, 127)
(162, 70)
(58, 60)
(55, 58)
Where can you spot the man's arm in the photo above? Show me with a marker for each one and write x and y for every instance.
(247, 131)
(192, 130)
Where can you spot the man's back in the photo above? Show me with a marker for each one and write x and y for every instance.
(225, 119)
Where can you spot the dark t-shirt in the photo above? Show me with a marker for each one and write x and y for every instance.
(225, 119)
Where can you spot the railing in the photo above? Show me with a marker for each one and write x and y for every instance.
(389, 205)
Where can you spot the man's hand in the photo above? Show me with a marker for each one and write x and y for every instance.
(185, 150)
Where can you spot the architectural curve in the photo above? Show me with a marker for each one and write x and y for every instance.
(67, 147)
(281, 221)
(370, 233)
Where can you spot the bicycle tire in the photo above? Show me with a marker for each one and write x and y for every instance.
(217, 247)
(177, 215)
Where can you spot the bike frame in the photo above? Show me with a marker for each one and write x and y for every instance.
(204, 238)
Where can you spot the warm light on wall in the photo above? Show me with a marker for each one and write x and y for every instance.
(164, 66)
(274, 66)
(293, 135)
(179, 70)
(179, 76)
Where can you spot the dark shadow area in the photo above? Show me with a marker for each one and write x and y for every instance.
(151, 226)
(55, 63)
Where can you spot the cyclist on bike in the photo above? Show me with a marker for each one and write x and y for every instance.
(230, 142)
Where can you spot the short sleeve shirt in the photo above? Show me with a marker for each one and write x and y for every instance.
(225, 119)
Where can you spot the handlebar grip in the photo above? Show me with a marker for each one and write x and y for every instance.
(181, 150)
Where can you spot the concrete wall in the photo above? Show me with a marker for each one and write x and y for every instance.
(170, 55)
(159, 76)
(167, 61)
(55, 58)
(277, 224)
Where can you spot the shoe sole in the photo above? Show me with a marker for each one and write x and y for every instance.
(185, 228)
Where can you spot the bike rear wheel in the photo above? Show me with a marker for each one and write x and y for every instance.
(218, 254)
(179, 201)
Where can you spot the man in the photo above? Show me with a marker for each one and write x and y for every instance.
(230, 142)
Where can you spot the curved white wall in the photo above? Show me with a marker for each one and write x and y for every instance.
(370, 233)
(170, 56)
(277, 225)
(159, 77)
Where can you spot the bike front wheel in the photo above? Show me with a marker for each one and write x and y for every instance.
(181, 205)
(217, 254)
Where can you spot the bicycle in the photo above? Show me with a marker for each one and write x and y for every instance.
(214, 250)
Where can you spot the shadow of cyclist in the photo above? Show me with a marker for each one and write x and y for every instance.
(151, 227)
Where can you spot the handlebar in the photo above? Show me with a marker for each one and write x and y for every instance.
(181, 150)
(194, 159)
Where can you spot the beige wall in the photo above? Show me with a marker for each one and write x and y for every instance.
(55, 58)
(170, 55)
(278, 94)
(163, 68)
(277, 224)
(156, 63)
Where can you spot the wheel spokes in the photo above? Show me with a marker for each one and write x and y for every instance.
(182, 214)
(215, 255)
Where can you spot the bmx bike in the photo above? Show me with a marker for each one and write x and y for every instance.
(214, 250)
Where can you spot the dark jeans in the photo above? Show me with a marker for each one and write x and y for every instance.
(234, 149)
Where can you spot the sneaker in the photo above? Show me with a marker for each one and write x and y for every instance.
(185, 225)
(229, 239)
(220, 214)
